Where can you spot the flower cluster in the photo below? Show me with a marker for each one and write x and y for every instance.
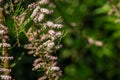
(42, 46)
(5, 58)
(42, 41)
(38, 13)
(95, 42)
(49, 65)
(43, 37)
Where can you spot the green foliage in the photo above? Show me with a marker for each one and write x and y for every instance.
(79, 59)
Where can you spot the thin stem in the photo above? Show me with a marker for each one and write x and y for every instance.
(5, 62)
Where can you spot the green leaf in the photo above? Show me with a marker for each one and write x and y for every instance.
(103, 9)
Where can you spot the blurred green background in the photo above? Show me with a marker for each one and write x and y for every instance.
(91, 47)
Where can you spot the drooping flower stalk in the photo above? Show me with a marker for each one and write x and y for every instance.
(42, 41)
(5, 58)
